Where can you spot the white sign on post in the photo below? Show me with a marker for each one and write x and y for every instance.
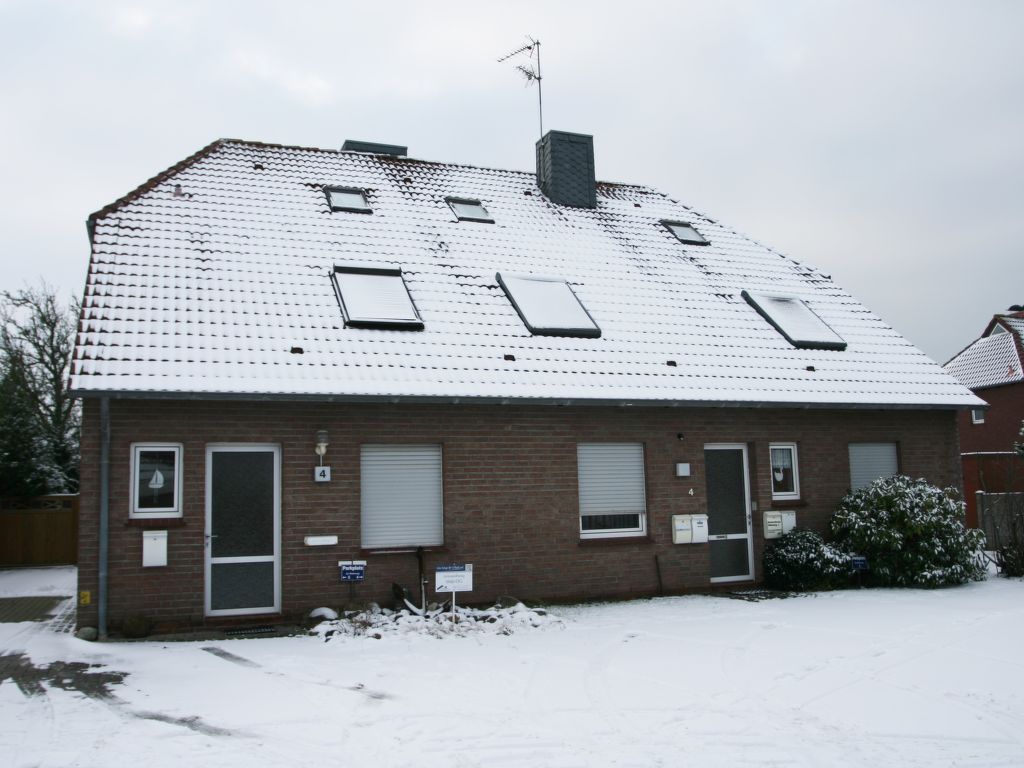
(457, 577)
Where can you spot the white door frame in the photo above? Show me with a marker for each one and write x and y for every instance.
(749, 535)
(212, 448)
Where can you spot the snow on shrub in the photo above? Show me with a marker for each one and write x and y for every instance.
(801, 560)
(377, 622)
(911, 532)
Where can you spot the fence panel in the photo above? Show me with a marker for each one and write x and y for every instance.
(40, 530)
(1001, 517)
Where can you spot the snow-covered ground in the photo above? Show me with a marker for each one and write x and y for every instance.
(873, 678)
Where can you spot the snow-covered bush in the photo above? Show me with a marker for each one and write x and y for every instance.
(801, 560)
(911, 532)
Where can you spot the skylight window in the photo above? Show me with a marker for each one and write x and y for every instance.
(795, 321)
(375, 298)
(685, 233)
(469, 210)
(548, 306)
(347, 199)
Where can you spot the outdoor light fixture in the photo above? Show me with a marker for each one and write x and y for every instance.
(321, 444)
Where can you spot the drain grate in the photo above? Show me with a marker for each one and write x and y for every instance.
(246, 631)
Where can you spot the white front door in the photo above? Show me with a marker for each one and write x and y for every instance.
(243, 529)
(729, 516)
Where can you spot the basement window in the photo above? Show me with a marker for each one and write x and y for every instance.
(797, 322)
(372, 297)
(156, 480)
(685, 233)
(548, 306)
(347, 199)
(469, 210)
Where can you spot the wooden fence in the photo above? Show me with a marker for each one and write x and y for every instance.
(39, 530)
(1001, 517)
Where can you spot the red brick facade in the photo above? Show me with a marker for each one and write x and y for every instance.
(1000, 471)
(510, 493)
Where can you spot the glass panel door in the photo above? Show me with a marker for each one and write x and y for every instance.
(243, 524)
(729, 533)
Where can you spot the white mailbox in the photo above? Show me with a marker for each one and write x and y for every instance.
(772, 525)
(700, 529)
(154, 548)
(788, 521)
(682, 529)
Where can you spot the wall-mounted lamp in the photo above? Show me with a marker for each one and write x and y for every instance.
(321, 444)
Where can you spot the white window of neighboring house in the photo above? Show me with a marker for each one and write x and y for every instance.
(871, 461)
(548, 306)
(401, 495)
(796, 321)
(785, 472)
(613, 497)
(977, 416)
(375, 297)
(156, 480)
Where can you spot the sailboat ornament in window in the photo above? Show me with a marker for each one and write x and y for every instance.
(156, 482)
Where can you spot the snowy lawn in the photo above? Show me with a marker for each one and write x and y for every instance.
(873, 678)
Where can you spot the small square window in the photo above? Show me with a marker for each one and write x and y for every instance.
(785, 473)
(469, 210)
(375, 298)
(977, 416)
(156, 480)
(548, 306)
(347, 199)
(685, 232)
(797, 322)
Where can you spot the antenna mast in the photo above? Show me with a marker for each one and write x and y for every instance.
(531, 74)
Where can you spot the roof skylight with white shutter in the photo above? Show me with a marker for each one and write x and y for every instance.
(469, 210)
(374, 297)
(795, 321)
(347, 199)
(548, 306)
(685, 233)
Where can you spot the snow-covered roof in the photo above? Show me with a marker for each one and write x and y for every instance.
(995, 359)
(216, 278)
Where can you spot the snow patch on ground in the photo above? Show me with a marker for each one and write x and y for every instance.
(57, 580)
(378, 622)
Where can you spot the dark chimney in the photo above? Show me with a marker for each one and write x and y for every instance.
(565, 169)
(372, 147)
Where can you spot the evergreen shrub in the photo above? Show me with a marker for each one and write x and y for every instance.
(801, 560)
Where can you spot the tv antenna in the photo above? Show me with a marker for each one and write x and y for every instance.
(531, 73)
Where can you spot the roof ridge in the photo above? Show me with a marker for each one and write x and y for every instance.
(149, 184)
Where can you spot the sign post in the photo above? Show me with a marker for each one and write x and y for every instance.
(456, 577)
(351, 572)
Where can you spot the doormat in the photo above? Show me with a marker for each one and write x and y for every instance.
(756, 595)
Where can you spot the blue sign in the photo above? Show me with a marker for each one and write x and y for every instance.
(352, 570)
(452, 567)
(859, 563)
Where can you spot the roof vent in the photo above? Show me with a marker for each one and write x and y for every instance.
(565, 169)
(373, 148)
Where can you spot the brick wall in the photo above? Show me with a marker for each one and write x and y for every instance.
(1002, 421)
(510, 495)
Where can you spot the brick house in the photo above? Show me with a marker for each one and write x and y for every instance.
(991, 366)
(294, 357)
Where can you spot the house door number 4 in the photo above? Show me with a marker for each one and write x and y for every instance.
(322, 474)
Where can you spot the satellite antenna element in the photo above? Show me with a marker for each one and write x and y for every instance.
(531, 73)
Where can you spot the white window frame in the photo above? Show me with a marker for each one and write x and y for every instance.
(134, 511)
(394, 543)
(785, 495)
(611, 533)
(484, 215)
(337, 205)
(977, 415)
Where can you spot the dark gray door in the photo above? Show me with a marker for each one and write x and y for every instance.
(242, 530)
(728, 512)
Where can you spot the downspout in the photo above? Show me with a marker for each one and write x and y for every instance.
(104, 512)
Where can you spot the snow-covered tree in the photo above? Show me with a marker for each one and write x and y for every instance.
(36, 339)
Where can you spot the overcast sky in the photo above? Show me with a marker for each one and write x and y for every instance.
(882, 142)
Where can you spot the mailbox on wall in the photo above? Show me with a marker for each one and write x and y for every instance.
(777, 524)
(689, 529)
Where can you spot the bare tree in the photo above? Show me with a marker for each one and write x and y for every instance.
(37, 334)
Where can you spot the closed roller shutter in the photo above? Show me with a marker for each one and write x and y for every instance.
(611, 485)
(870, 461)
(401, 496)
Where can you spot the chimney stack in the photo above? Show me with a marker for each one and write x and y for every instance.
(565, 169)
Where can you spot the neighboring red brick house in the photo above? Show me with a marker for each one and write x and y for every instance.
(291, 357)
(992, 367)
